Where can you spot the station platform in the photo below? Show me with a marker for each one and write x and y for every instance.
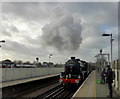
(15, 82)
(91, 88)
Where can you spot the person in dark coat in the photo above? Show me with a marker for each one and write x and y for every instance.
(103, 75)
(109, 80)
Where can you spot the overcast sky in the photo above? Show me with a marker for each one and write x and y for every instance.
(35, 29)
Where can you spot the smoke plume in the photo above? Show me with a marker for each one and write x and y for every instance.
(64, 31)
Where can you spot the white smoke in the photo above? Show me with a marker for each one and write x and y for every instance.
(63, 31)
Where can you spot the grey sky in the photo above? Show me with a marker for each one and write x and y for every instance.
(65, 29)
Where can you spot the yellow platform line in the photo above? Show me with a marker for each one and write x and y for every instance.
(94, 94)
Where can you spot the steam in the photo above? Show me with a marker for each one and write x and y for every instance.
(63, 32)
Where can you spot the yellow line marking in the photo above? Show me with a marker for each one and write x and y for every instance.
(94, 86)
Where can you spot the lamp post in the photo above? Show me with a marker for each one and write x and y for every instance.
(111, 44)
(37, 62)
(101, 60)
(49, 58)
(2, 41)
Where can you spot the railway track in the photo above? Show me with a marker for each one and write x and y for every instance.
(30, 89)
(49, 92)
(36, 91)
(46, 90)
(58, 92)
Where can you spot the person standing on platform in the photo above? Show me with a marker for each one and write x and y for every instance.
(103, 75)
(109, 80)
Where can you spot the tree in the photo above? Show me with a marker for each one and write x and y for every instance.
(27, 62)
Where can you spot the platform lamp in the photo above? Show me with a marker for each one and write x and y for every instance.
(111, 44)
(49, 58)
(37, 59)
(2, 41)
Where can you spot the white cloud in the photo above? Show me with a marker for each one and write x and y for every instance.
(62, 26)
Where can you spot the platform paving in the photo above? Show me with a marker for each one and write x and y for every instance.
(92, 88)
(101, 89)
(19, 81)
(87, 89)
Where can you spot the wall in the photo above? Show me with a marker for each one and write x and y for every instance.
(116, 68)
(21, 73)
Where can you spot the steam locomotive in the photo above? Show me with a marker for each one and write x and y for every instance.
(75, 72)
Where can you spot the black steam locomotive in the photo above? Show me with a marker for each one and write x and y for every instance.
(75, 72)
